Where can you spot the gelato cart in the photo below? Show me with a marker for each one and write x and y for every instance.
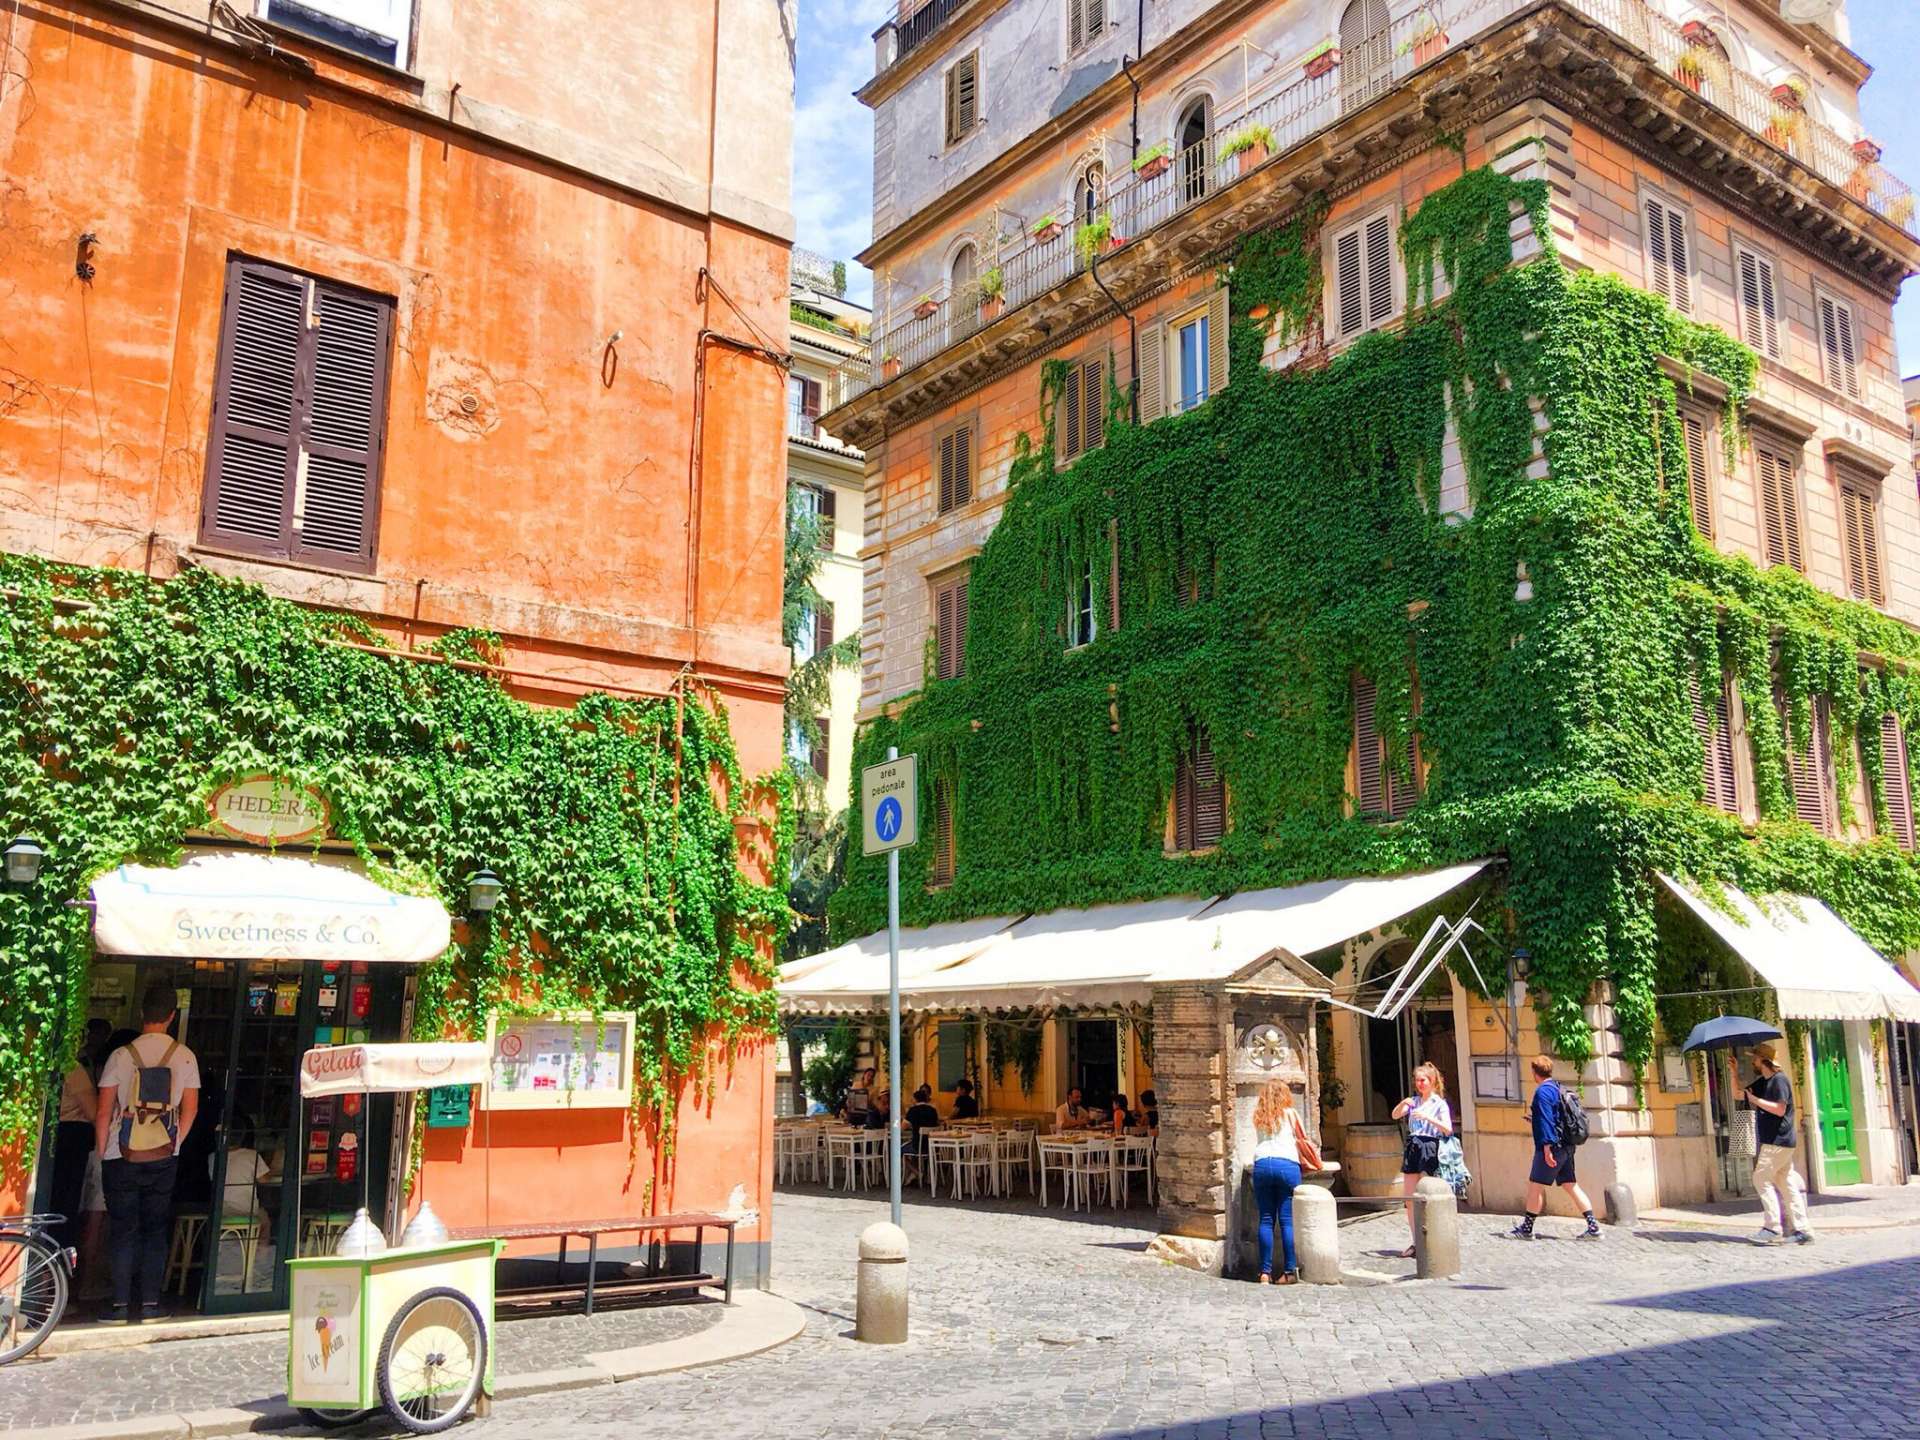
(408, 1329)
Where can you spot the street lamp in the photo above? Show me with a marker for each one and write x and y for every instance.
(23, 862)
(483, 891)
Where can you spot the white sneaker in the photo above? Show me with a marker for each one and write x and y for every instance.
(1765, 1236)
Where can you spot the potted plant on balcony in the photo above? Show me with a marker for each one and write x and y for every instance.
(1046, 229)
(1866, 166)
(1689, 69)
(1250, 145)
(1790, 95)
(1323, 59)
(1427, 40)
(890, 368)
(1153, 161)
(1096, 235)
(925, 307)
(993, 299)
(1900, 210)
(1697, 32)
(1784, 127)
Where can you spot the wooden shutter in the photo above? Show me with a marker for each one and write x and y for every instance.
(823, 628)
(1895, 783)
(1839, 359)
(1807, 769)
(950, 629)
(1716, 740)
(940, 868)
(1349, 294)
(334, 509)
(1096, 19)
(1779, 506)
(1668, 263)
(1369, 755)
(1067, 415)
(1199, 797)
(822, 753)
(1076, 25)
(253, 451)
(1113, 576)
(1860, 522)
(1759, 306)
(1217, 322)
(1699, 493)
(1152, 379)
(963, 97)
(829, 508)
(955, 465)
(1093, 403)
(1380, 269)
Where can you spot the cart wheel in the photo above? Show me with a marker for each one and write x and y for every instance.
(433, 1361)
(332, 1419)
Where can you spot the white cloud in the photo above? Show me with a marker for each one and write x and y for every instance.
(833, 132)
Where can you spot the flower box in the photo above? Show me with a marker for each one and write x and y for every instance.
(1867, 150)
(1323, 62)
(991, 308)
(1689, 72)
(1251, 158)
(1153, 168)
(890, 367)
(1429, 47)
(1789, 97)
(1697, 32)
(925, 308)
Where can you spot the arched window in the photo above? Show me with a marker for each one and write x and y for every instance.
(1194, 139)
(1366, 53)
(963, 273)
(1090, 193)
(1703, 66)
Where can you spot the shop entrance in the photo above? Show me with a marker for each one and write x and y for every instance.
(1423, 1033)
(1833, 1089)
(1093, 1059)
(248, 1023)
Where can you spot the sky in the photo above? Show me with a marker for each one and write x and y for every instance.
(833, 133)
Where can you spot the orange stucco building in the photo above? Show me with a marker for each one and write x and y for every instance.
(444, 315)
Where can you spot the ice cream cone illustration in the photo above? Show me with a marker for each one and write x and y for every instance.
(326, 1341)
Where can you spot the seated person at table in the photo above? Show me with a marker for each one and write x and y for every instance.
(1148, 1120)
(1123, 1118)
(1073, 1115)
(965, 1106)
(859, 1099)
(920, 1117)
(880, 1111)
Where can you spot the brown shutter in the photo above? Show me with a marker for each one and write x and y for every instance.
(252, 454)
(1217, 339)
(1807, 768)
(1199, 797)
(1076, 25)
(1369, 756)
(1093, 404)
(954, 463)
(1839, 358)
(1379, 237)
(823, 628)
(1699, 499)
(829, 506)
(1067, 415)
(1716, 741)
(1860, 523)
(950, 629)
(822, 753)
(335, 505)
(1780, 507)
(940, 869)
(1152, 379)
(963, 97)
(1896, 785)
(1402, 793)
(1113, 577)
(1759, 307)
(1096, 19)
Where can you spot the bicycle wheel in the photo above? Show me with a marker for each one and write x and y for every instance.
(433, 1361)
(33, 1294)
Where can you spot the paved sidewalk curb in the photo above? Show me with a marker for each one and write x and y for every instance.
(757, 1321)
(1725, 1224)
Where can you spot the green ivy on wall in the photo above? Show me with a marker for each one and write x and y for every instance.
(1288, 535)
(612, 824)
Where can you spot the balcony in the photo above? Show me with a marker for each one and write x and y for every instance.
(1307, 107)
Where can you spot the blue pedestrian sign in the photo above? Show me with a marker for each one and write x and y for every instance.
(889, 805)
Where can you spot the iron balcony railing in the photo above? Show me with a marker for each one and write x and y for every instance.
(1296, 111)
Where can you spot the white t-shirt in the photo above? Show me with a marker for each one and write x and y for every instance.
(120, 1073)
(1283, 1144)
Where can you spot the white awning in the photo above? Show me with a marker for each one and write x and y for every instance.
(1110, 955)
(248, 905)
(1813, 960)
(351, 1069)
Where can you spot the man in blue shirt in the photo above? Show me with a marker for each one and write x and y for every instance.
(1552, 1160)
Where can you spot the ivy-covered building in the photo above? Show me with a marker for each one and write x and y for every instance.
(393, 479)
(1352, 439)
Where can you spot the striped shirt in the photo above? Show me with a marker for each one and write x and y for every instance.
(1430, 1117)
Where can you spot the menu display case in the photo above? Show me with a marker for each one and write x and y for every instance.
(572, 1061)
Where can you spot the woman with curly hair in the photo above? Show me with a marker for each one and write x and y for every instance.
(1276, 1175)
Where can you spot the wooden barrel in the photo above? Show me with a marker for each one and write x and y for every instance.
(1370, 1158)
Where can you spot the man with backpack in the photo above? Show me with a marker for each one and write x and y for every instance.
(1559, 1127)
(149, 1095)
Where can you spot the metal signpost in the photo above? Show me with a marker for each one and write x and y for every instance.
(889, 822)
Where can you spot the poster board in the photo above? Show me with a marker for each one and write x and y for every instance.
(574, 1061)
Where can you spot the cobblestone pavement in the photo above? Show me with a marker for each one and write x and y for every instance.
(186, 1375)
(1044, 1326)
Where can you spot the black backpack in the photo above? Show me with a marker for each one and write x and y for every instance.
(1573, 1118)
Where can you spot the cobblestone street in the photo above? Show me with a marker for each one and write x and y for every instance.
(1047, 1326)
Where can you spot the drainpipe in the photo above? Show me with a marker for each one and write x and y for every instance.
(1133, 336)
(1140, 53)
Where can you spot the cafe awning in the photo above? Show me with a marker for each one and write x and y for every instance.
(1817, 965)
(352, 1069)
(1111, 956)
(249, 905)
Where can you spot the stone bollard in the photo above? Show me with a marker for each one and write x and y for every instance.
(880, 1296)
(1316, 1235)
(1436, 1229)
(1620, 1208)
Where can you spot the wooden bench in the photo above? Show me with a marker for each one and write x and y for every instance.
(660, 1226)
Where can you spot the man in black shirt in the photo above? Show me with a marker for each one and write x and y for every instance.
(965, 1107)
(1771, 1094)
(920, 1118)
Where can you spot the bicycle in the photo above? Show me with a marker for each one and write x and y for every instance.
(36, 1274)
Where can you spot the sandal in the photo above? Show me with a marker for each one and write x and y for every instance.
(1407, 1254)
(1292, 1277)
(1265, 1279)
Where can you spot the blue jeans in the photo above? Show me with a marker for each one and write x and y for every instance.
(1274, 1181)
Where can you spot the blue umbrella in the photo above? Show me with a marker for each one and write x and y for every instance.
(1728, 1032)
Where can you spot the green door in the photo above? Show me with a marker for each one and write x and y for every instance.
(1833, 1089)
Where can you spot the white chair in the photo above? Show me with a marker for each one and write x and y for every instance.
(843, 1156)
(948, 1148)
(1057, 1158)
(1093, 1170)
(1014, 1151)
(1132, 1155)
(980, 1162)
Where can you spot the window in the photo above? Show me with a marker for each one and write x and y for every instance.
(1699, 439)
(1860, 521)
(1364, 266)
(1090, 193)
(1839, 359)
(823, 751)
(1366, 54)
(1086, 23)
(1759, 303)
(803, 407)
(1082, 626)
(1669, 262)
(953, 460)
(375, 28)
(1379, 790)
(1807, 768)
(1199, 797)
(963, 97)
(299, 419)
(816, 502)
(941, 861)
(1895, 783)
(1194, 146)
(1718, 781)
(822, 621)
(1184, 361)
(950, 627)
(951, 1048)
(1080, 416)
(1773, 463)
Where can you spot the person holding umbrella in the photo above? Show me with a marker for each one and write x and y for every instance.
(1771, 1093)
